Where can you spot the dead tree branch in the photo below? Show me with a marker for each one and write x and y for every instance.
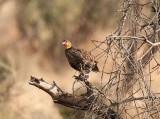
(87, 101)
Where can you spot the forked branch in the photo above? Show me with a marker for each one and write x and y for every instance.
(86, 101)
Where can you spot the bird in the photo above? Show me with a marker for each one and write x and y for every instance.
(79, 59)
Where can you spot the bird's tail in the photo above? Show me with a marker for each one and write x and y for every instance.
(95, 68)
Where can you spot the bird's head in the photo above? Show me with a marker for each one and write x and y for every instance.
(67, 44)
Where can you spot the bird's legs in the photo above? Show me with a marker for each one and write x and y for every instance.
(83, 75)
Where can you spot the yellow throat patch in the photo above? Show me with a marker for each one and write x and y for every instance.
(68, 45)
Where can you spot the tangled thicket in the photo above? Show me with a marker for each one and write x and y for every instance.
(134, 51)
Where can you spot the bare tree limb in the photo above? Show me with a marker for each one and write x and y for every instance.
(87, 101)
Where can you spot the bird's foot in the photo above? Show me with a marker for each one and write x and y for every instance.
(78, 78)
(82, 77)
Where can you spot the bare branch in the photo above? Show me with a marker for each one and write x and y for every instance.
(86, 101)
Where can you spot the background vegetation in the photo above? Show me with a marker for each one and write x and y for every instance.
(31, 32)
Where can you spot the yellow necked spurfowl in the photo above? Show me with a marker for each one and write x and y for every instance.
(79, 59)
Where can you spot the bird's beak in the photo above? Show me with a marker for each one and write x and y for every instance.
(63, 43)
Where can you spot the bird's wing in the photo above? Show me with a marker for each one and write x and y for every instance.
(85, 55)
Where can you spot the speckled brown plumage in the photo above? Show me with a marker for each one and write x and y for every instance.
(81, 60)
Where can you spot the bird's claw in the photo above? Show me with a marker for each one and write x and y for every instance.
(81, 77)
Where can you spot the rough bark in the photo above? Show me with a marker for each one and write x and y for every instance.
(86, 101)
